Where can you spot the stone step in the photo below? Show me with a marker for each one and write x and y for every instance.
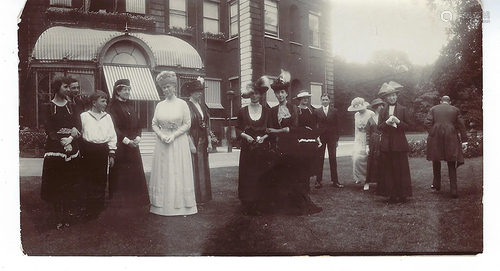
(148, 141)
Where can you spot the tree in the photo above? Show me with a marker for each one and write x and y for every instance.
(458, 72)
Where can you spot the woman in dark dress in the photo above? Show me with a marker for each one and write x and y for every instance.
(308, 138)
(127, 182)
(395, 181)
(283, 180)
(373, 143)
(199, 134)
(60, 182)
(254, 156)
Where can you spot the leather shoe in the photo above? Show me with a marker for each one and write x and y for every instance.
(318, 185)
(338, 185)
(435, 188)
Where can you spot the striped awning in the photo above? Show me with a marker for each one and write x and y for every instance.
(84, 44)
(141, 81)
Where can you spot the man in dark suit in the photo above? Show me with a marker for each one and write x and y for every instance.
(444, 122)
(328, 128)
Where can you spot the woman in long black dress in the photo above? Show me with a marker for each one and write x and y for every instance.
(200, 125)
(308, 138)
(60, 182)
(284, 185)
(254, 156)
(127, 182)
(373, 143)
(395, 181)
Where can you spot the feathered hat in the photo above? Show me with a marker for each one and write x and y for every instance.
(388, 88)
(261, 86)
(282, 82)
(193, 86)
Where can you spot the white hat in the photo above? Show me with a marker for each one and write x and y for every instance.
(358, 104)
(302, 94)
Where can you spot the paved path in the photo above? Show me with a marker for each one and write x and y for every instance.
(33, 166)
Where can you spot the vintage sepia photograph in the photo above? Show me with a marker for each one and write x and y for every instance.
(251, 129)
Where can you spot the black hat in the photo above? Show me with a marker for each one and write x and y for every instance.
(194, 86)
(282, 82)
(120, 83)
(262, 85)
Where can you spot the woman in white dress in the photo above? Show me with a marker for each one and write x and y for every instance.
(359, 155)
(171, 186)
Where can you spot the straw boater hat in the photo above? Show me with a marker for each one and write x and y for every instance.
(302, 94)
(375, 103)
(358, 104)
(282, 82)
(388, 88)
(194, 86)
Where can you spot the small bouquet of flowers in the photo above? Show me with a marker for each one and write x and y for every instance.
(172, 126)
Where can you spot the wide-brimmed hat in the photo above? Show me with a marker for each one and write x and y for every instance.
(358, 104)
(388, 88)
(194, 86)
(120, 83)
(375, 103)
(262, 85)
(302, 94)
(282, 82)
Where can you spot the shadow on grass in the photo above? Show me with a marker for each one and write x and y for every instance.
(353, 222)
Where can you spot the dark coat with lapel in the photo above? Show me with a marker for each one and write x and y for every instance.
(444, 122)
(286, 142)
(328, 125)
(394, 139)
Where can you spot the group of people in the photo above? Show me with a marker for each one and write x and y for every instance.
(380, 153)
(93, 148)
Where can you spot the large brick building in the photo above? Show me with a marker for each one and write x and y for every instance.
(229, 43)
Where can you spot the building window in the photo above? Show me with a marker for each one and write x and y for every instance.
(271, 25)
(316, 91)
(233, 19)
(212, 93)
(295, 24)
(135, 6)
(211, 17)
(177, 14)
(314, 30)
(61, 3)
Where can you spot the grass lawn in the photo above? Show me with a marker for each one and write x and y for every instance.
(353, 222)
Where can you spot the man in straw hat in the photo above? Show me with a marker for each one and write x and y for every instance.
(444, 122)
(328, 130)
(395, 181)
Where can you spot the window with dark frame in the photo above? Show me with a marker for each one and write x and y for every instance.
(271, 19)
(314, 38)
(211, 17)
(233, 19)
(177, 13)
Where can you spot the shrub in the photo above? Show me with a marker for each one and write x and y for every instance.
(418, 147)
(30, 140)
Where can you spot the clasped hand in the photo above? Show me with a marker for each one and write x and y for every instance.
(167, 139)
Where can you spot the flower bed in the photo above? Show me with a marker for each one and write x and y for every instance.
(418, 147)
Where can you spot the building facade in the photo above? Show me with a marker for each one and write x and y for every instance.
(229, 43)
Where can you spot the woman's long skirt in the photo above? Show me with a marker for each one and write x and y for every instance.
(201, 171)
(395, 175)
(127, 182)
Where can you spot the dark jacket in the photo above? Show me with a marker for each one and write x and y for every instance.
(200, 126)
(394, 139)
(444, 122)
(328, 125)
(287, 142)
